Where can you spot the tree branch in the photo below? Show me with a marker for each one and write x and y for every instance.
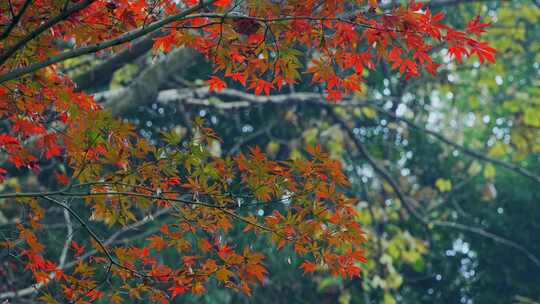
(36, 287)
(467, 151)
(102, 74)
(145, 87)
(129, 36)
(85, 226)
(42, 28)
(138, 33)
(15, 20)
(410, 208)
(379, 169)
(489, 235)
(69, 237)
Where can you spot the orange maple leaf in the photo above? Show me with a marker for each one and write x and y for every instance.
(216, 84)
(308, 267)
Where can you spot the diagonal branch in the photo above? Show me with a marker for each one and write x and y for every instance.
(42, 28)
(489, 235)
(102, 73)
(61, 262)
(15, 20)
(410, 208)
(467, 151)
(379, 169)
(36, 287)
(85, 226)
(127, 37)
(67, 212)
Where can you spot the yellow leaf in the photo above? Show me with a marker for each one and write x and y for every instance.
(497, 150)
(115, 298)
(215, 148)
(443, 184)
(489, 171)
(531, 116)
(47, 298)
(387, 187)
(388, 299)
(310, 136)
(272, 148)
(475, 168)
(295, 155)
(519, 140)
(369, 112)
(344, 298)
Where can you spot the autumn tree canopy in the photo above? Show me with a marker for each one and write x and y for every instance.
(108, 175)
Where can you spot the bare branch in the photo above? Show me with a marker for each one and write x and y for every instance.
(62, 261)
(489, 235)
(467, 151)
(379, 169)
(102, 74)
(84, 225)
(35, 287)
(69, 237)
(145, 87)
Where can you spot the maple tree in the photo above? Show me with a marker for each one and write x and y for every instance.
(125, 179)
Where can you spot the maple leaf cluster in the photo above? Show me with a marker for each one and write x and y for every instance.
(122, 177)
(265, 46)
(261, 47)
(311, 215)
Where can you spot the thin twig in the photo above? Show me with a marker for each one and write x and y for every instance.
(15, 20)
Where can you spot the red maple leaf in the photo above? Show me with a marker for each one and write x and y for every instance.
(308, 267)
(79, 249)
(2, 174)
(157, 242)
(257, 270)
(164, 43)
(216, 84)
(61, 178)
(240, 77)
(224, 251)
(222, 3)
(458, 52)
(476, 27)
(334, 95)
(41, 277)
(260, 85)
(178, 289)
